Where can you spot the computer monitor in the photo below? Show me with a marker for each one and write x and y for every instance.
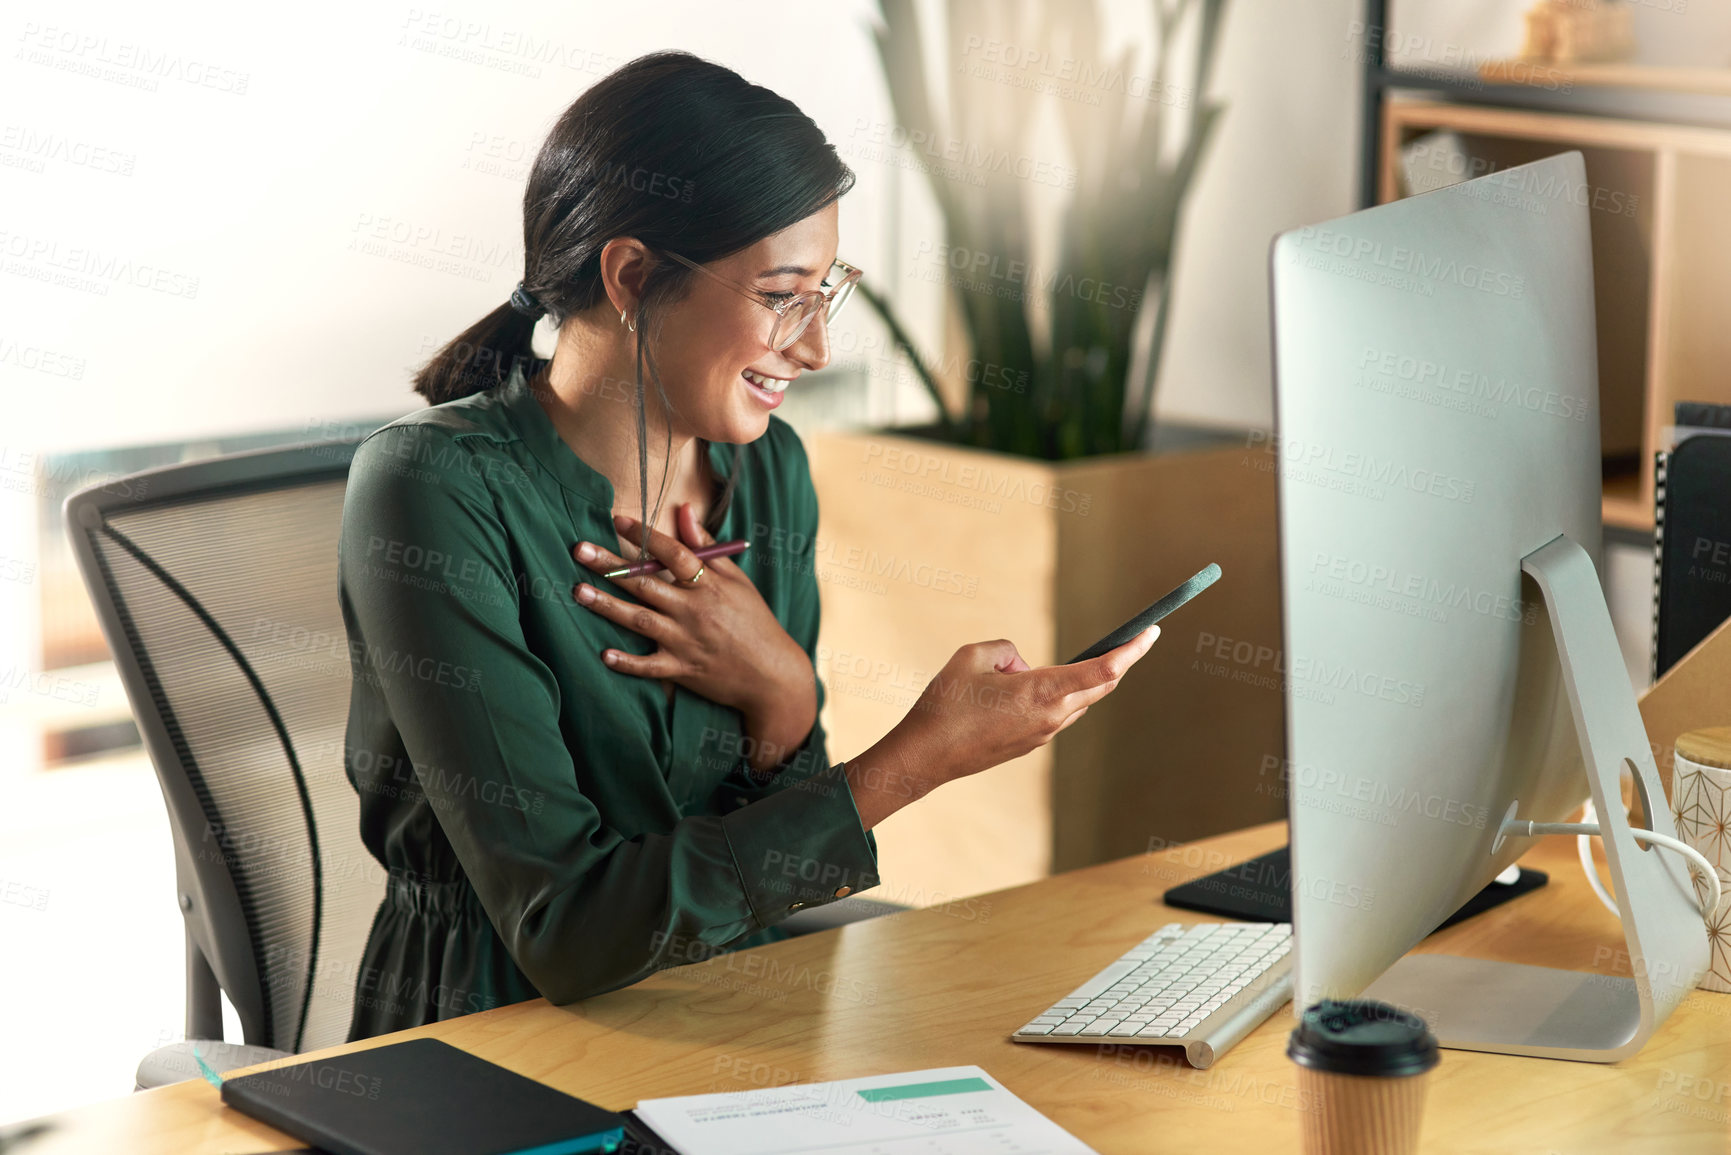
(1449, 653)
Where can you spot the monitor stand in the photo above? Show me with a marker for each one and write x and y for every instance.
(1513, 1009)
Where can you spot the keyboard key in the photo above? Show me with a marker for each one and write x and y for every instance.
(1070, 1028)
(1036, 1029)
(1103, 980)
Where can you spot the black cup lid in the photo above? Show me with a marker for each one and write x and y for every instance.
(1362, 1037)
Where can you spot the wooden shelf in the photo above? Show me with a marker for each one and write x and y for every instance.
(1543, 74)
(1622, 505)
(1561, 128)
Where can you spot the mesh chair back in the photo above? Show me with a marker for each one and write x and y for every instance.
(216, 585)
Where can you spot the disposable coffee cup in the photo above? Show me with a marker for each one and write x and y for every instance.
(1362, 1069)
(1700, 805)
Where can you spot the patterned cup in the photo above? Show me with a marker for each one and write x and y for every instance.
(1701, 806)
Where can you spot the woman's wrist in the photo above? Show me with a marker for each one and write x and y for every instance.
(888, 776)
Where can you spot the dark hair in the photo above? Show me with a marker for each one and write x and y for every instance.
(679, 152)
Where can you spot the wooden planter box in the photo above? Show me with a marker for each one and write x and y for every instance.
(924, 547)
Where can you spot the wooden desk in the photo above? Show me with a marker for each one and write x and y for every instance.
(943, 986)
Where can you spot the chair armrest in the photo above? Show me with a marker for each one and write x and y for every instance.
(175, 1063)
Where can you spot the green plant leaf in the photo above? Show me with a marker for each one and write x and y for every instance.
(1117, 232)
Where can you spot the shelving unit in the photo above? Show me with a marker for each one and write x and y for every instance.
(1655, 78)
(1661, 225)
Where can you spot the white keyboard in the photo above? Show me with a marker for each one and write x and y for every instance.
(1203, 987)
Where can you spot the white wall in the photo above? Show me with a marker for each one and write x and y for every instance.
(318, 124)
(1285, 155)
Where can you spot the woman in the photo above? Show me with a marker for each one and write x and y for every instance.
(614, 776)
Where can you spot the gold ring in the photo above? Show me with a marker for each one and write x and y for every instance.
(700, 568)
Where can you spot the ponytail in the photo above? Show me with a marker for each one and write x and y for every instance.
(480, 357)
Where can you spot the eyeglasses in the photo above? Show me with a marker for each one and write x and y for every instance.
(794, 311)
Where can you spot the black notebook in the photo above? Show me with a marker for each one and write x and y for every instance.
(422, 1097)
(1693, 514)
(1260, 890)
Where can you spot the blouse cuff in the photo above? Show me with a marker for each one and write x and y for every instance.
(801, 846)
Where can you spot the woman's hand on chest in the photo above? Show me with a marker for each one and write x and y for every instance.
(718, 638)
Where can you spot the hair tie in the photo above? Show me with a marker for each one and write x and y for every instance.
(525, 303)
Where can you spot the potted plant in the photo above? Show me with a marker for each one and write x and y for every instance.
(1029, 509)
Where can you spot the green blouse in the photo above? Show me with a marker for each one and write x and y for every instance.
(552, 826)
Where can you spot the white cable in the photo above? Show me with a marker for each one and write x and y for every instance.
(1696, 858)
(1584, 845)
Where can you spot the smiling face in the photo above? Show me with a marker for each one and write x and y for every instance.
(714, 343)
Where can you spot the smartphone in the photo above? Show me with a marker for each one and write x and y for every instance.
(1185, 590)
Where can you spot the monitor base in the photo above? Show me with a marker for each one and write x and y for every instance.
(1475, 1004)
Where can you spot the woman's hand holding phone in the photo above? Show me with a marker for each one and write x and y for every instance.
(986, 706)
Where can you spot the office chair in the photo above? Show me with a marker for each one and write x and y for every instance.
(216, 586)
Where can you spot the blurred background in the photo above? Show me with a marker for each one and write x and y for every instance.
(227, 228)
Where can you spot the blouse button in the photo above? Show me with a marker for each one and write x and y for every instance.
(843, 891)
